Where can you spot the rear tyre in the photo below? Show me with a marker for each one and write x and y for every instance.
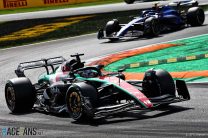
(152, 26)
(158, 82)
(195, 16)
(20, 95)
(129, 1)
(112, 26)
(81, 99)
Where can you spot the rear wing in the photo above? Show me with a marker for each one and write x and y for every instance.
(49, 62)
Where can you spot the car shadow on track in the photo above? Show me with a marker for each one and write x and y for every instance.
(61, 115)
(142, 37)
(130, 39)
(150, 37)
(135, 115)
(120, 117)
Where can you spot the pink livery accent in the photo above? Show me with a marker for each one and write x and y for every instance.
(60, 75)
(131, 89)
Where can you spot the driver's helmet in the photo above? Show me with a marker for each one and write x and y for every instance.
(156, 6)
(67, 66)
(89, 73)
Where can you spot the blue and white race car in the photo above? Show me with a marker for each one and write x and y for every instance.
(132, 1)
(152, 22)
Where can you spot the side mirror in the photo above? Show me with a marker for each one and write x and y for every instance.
(100, 67)
(121, 70)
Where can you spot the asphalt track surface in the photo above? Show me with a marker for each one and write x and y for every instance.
(84, 10)
(186, 119)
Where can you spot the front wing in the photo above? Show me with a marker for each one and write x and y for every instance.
(182, 95)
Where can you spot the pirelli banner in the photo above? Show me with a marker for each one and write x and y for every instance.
(12, 4)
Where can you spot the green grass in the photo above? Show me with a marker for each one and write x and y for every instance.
(205, 7)
(86, 26)
(12, 11)
(191, 46)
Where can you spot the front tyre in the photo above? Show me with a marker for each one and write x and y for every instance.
(20, 95)
(157, 83)
(112, 27)
(195, 16)
(74, 104)
(81, 98)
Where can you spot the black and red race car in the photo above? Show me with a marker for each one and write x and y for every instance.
(86, 92)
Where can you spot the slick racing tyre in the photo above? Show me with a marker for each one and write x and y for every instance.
(158, 82)
(152, 26)
(195, 16)
(20, 95)
(81, 99)
(112, 26)
(129, 1)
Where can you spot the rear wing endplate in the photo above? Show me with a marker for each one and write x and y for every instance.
(49, 62)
